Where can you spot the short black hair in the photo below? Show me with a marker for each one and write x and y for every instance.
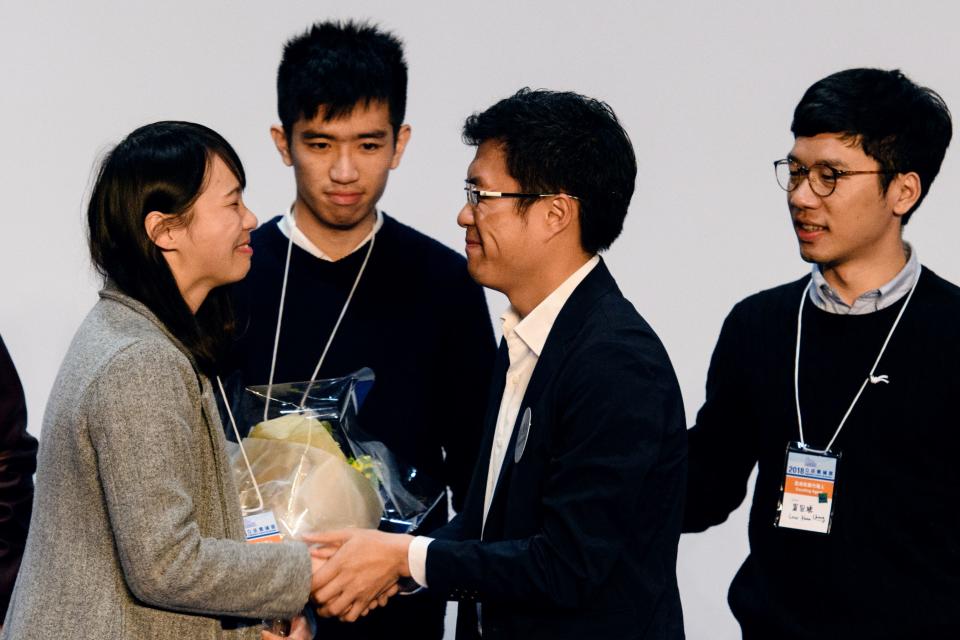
(565, 142)
(163, 167)
(903, 126)
(338, 65)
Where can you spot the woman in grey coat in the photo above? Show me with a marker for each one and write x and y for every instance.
(136, 528)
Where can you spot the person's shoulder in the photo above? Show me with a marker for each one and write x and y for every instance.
(936, 305)
(418, 246)
(938, 288)
(129, 339)
(117, 351)
(772, 302)
(267, 234)
(416, 257)
(614, 324)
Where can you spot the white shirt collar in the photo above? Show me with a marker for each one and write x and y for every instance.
(827, 299)
(288, 225)
(536, 326)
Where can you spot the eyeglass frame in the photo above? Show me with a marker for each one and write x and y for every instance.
(474, 194)
(805, 171)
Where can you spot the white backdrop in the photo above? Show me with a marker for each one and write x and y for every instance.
(705, 89)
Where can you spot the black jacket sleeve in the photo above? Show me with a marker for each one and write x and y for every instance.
(18, 462)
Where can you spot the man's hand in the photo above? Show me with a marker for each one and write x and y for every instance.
(359, 572)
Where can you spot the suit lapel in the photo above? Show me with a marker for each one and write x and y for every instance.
(581, 302)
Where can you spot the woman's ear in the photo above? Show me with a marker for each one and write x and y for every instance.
(158, 230)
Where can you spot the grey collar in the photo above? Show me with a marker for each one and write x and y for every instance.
(827, 299)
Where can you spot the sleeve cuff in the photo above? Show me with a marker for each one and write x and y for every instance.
(417, 559)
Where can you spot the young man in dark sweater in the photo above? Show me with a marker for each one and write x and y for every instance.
(840, 386)
(410, 310)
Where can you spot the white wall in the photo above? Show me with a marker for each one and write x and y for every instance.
(705, 89)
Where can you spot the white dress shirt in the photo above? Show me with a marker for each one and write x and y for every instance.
(525, 339)
(288, 225)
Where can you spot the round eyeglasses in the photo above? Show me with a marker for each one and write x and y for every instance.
(822, 177)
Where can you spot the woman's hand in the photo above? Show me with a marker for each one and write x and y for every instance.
(299, 630)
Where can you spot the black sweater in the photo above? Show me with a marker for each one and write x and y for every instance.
(416, 319)
(890, 567)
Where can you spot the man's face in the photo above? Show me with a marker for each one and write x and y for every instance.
(341, 165)
(500, 247)
(853, 223)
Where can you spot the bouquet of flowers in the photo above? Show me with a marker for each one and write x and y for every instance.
(307, 460)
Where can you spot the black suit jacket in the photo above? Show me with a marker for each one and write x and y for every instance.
(18, 462)
(581, 537)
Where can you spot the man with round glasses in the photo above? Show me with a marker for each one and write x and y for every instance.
(839, 387)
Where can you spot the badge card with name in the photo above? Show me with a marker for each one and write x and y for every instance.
(261, 527)
(806, 501)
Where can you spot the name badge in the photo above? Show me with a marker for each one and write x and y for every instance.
(261, 527)
(806, 499)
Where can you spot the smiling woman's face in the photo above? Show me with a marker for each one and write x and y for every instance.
(213, 248)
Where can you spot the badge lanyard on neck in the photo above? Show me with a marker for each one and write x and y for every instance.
(870, 379)
(336, 326)
(273, 363)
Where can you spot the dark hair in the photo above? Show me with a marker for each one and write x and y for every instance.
(901, 125)
(337, 65)
(159, 167)
(564, 142)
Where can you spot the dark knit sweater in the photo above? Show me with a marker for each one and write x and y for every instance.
(890, 567)
(417, 319)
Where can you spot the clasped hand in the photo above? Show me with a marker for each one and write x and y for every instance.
(356, 570)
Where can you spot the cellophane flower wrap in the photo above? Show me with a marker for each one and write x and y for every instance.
(316, 469)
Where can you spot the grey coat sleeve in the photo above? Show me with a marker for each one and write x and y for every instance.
(142, 415)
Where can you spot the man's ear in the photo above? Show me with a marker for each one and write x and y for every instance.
(158, 229)
(562, 212)
(403, 137)
(905, 191)
(279, 136)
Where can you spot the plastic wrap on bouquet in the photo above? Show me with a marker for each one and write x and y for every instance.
(314, 466)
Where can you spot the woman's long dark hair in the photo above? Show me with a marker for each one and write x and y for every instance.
(160, 167)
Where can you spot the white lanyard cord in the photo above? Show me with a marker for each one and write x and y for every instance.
(871, 377)
(236, 432)
(336, 326)
(273, 362)
(343, 312)
(276, 337)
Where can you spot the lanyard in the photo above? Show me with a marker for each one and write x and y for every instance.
(871, 378)
(336, 326)
(236, 432)
(273, 363)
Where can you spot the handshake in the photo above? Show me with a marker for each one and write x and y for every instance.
(355, 570)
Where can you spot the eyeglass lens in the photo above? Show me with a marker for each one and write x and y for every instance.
(823, 179)
(473, 196)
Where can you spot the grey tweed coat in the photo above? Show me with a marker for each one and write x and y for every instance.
(136, 528)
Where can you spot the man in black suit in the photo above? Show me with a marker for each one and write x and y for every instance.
(572, 520)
